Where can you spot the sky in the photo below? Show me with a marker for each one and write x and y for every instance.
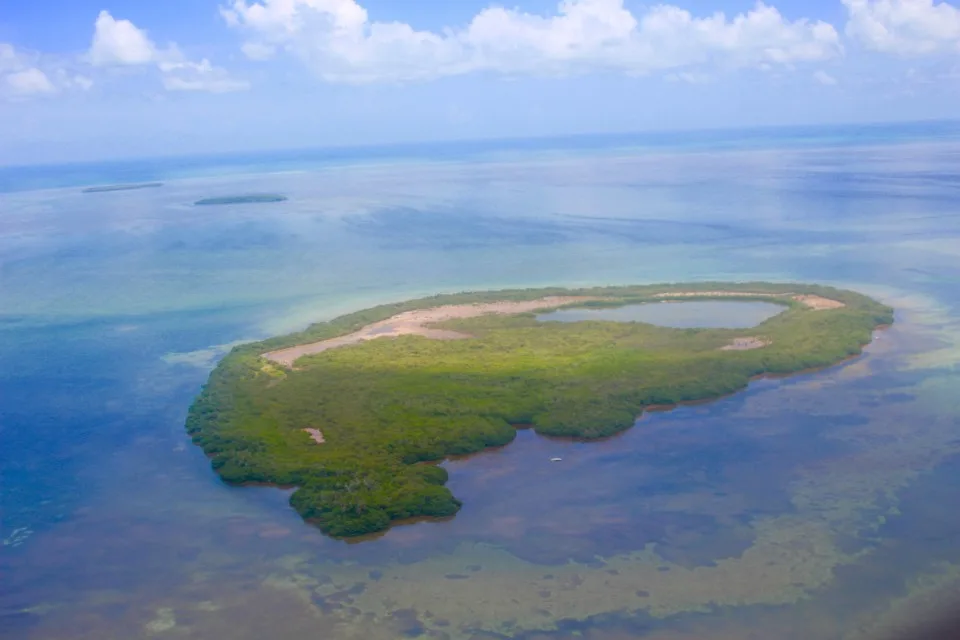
(103, 79)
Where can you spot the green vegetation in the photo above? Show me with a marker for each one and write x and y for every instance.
(123, 187)
(254, 198)
(387, 406)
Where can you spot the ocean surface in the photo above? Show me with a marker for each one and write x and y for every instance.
(817, 506)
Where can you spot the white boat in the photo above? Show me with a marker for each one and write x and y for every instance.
(556, 459)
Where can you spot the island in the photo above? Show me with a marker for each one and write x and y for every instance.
(123, 187)
(255, 198)
(356, 413)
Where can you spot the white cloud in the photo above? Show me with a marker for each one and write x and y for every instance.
(904, 27)
(689, 77)
(82, 82)
(258, 50)
(824, 78)
(21, 76)
(29, 82)
(25, 74)
(9, 59)
(340, 42)
(120, 42)
(199, 76)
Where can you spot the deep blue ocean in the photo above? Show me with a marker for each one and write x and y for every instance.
(817, 506)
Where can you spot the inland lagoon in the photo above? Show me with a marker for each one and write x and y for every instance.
(677, 314)
(812, 505)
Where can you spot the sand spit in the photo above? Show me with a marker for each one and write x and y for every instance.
(415, 323)
(746, 344)
(818, 303)
(316, 435)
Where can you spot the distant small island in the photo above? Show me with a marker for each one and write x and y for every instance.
(244, 199)
(357, 422)
(123, 187)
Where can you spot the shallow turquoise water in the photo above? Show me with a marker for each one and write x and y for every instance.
(803, 508)
(679, 315)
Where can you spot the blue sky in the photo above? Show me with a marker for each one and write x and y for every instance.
(99, 79)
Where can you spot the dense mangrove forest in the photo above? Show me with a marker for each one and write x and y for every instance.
(123, 187)
(357, 428)
(253, 198)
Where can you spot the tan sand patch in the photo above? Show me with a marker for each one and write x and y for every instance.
(316, 435)
(718, 294)
(415, 323)
(819, 303)
(746, 344)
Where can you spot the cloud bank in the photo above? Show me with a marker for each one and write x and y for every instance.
(30, 82)
(904, 27)
(339, 41)
(122, 43)
(824, 78)
(21, 75)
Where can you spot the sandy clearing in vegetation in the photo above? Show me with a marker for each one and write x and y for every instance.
(719, 294)
(414, 323)
(316, 435)
(746, 344)
(817, 303)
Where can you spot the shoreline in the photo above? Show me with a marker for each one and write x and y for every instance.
(368, 478)
(647, 411)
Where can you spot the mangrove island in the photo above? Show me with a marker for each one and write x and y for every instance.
(123, 187)
(357, 411)
(255, 198)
